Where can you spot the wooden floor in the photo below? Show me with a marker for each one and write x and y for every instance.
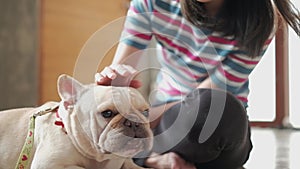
(275, 149)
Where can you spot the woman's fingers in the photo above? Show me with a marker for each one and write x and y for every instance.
(118, 75)
(168, 161)
(101, 80)
(109, 72)
(105, 77)
(135, 84)
(98, 77)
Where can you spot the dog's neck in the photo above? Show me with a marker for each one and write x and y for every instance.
(79, 138)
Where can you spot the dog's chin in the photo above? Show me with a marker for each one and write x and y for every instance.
(131, 148)
(127, 149)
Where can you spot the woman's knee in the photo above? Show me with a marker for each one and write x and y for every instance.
(214, 101)
(217, 112)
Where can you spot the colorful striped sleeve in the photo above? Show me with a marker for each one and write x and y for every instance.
(137, 28)
(234, 70)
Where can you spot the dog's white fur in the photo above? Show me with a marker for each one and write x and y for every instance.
(92, 141)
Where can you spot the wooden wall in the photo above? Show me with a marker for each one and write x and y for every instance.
(66, 25)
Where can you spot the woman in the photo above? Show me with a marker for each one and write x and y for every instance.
(207, 49)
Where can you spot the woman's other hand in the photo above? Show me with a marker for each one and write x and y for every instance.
(168, 161)
(118, 75)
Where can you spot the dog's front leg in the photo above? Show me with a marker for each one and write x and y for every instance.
(49, 156)
(47, 165)
(44, 161)
(59, 167)
(42, 165)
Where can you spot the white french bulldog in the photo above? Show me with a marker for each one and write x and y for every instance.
(101, 127)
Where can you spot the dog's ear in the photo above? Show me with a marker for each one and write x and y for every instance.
(68, 89)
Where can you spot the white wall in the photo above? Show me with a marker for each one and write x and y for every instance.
(262, 83)
(262, 88)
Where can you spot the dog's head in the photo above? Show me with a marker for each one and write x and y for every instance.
(109, 119)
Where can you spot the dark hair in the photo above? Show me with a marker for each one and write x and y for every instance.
(249, 21)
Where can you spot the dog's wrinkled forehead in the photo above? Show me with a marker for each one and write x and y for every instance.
(123, 98)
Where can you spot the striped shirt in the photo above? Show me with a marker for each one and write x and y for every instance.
(187, 54)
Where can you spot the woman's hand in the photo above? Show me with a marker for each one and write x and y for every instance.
(168, 161)
(118, 75)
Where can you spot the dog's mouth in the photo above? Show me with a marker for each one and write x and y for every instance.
(127, 149)
(119, 143)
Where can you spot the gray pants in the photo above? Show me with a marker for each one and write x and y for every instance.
(209, 128)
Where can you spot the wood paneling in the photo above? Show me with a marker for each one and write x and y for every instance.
(66, 25)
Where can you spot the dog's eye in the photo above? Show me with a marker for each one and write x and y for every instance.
(107, 114)
(146, 113)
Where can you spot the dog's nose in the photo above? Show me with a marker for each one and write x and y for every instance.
(132, 122)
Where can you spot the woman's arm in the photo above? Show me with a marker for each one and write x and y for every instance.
(207, 83)
(135, 37)
(123, 54)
